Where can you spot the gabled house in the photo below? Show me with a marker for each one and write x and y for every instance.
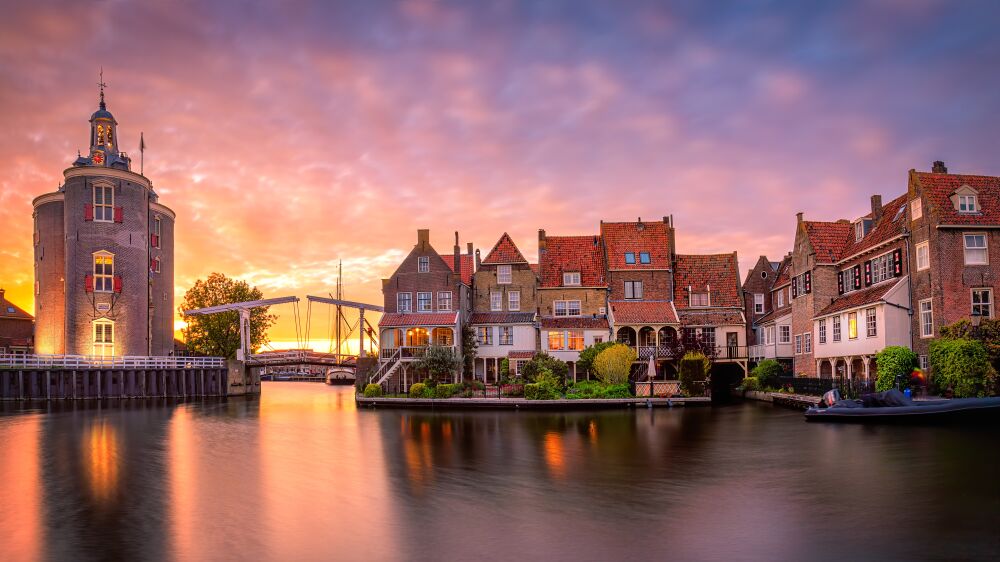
(572, 296)
(16, 328)
(427, 301)
(504, 309)
(772, 330)
(757, 294)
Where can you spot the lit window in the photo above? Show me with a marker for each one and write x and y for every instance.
(444, 301)
(871, 323)
(836, 328)
(424, 303)
(484, 334)
(643, 257)
(852, 325)
(104, 203)
(699, 299)
(506, 335)
(822, 331)
(571, 278)
(503, 274)
(404, 302)
(916, 209)
(557, 340)
(104, 272)
(423, 264)
(514, 300)
(629, 257)
(923, 256)
(967, 204)
(633, 289)
(496, 301)
(926, 319)
(784, 334)
(575, 340)
(104, 338)
(758, 303)
(982, 301)
(975, 250)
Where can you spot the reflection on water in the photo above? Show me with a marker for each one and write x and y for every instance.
(301, 474)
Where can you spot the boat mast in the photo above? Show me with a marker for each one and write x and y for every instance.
(340, 295)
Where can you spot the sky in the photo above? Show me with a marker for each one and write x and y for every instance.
(291, 135)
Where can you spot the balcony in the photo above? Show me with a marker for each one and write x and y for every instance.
(722, 352)
(770, 351)
(410, 353)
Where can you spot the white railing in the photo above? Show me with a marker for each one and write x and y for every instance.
(298, 356)
(410, 352)
(16, 361)
(770, 350)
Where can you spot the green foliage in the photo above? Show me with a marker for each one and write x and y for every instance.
(544, 361)
(767, 372)
(617, 391)
(585, 364)
(218, 335)
(540, 391)
(438, 362)
(446, 390)
(694, 369)
(750, 383)
(595, 389)
(418, 390)
(614, 363)
(962, 366)
(505, 368)
(373, 390)
(470, 346)
(894, 361)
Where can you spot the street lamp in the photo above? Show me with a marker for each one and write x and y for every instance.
(977, 318)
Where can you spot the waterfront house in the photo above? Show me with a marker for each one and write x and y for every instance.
(16, 328)
(572, 296)
(504, 306)
(770, 303)
(427, 301)
(757, 294)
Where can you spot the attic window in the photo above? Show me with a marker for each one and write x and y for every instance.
(916, 209)
(571, 278)
(699, 299)
(763, 275)
(859, 231)
(10, 310)
(643, 257)
(423, 264)
(630, 257)
(967, 204)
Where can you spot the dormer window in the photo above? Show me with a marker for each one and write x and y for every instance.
(643, 257)
(630, 257)
(859, 231)
(423, 264)
(699, 299)
(967, 204)
(571, 279)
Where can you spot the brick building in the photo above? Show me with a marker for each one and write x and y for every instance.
(103, 256)
(769, 301)
(16, 328)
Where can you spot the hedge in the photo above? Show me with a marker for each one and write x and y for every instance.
(373, 390)
(962, 365)
(892, 362)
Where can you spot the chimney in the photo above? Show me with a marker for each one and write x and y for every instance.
(423, 237)
(939, 168)
(876, 208)
(479, 260)
(458, 257)
(541, 243)
(2, 292)
(798, 217)
(469, 247)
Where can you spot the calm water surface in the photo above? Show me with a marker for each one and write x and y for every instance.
(302, 475)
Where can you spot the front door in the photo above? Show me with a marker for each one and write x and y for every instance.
(732, 344)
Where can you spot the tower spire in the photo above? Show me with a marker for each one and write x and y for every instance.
(102, 85)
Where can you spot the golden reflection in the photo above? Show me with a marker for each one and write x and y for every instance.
(592, 431)
(101, 448)
(20, 489)
(417, 438)
(555, 458)
(183, 482)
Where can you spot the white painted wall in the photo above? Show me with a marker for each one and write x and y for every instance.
(524, 340)
(589, 337)
(893, 324)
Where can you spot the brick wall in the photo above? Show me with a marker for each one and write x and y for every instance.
(407, 278)
(591, 300)
(50, 268)
(523, 279)
(656, 285)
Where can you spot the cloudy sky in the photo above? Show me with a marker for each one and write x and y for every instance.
(290, 135)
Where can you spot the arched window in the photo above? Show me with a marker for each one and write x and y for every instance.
(104, 338)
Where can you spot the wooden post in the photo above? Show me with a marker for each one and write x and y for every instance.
(20, 384)
(48, 385)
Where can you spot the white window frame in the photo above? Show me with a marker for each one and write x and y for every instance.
(104, 211)
(425, 301)
(496, 301)
(781, 297)
(916, 209)
(836, 329)
(562, 339)
(784, 334)
(633, 290)
(985, 248)
(103, 334)
(988, 304)
(566, 307)
(923, 250)
(504, 275)
(969, 202)
(807, 339)
(854, 316)
(822, 331)
(444, 301)
(506, 335)
(882, 268)
(769, 335)
(693, 304)
(926, 322)
(408, 302)
(798, 344)
(513, 301)
(848, 276)
(871, 323)
(758, 303)
(575, 340)
(104, 282)
(571, 279)
(484, 335)
(423, 264)
(859, 230)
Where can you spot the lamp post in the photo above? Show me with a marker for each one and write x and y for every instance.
(977, 318)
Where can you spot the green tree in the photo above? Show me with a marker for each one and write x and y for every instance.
(585, 364)
(767, 372)
(694, 369)
(963, 366)
(614, 363)
(894, 361)
(470, 346)
(438, 362)
(541, 361)
(218, 335)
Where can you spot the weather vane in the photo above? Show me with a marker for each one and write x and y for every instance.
(102, 86)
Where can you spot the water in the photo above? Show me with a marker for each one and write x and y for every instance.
(302, 475)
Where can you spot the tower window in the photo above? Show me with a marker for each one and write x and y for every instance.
(104, 338)
(104, 203)
(104, 272)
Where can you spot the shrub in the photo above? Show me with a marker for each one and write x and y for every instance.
(373, 390)
(541, 361)
(585, 364)
(505, 368)
(962, 365)
(586, 389)
(540, 391)
(750, 383)
(693, 371)
(617, 391)
(438, 362)
(894, 361)
(614, 363)
(446, 390)
(417, 390)
(767, 372)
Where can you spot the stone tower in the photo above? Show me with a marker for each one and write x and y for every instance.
(104, 256)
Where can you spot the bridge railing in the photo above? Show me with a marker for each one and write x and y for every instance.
(22, 361)
(298, 356)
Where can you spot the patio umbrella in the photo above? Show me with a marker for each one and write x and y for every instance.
(651, 373)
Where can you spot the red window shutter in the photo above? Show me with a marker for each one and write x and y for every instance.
(152, 264)
(154, 240)
(795, 288)
(857, 276)
(897, 262)
(808, 282)
(88, 212)
(119, 215)
(840, 282)
(118, 283)
(88, 283)
(868, 273)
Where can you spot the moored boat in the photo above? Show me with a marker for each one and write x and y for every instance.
(893, 407)
(340, 375)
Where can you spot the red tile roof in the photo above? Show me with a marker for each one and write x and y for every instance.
(784, 272)
(894, 219)
(502, 318)
(636, 237)
(397, 320)
(774, 315)
(521, 354)
(534, 267)
(711, 318)
(938, 188)
(11, 310)
(643, 312)
(577, 322)
(467, 265)
(861, 297)
(504, 251)
(828, 239)
(717, 273)
(572, 253)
